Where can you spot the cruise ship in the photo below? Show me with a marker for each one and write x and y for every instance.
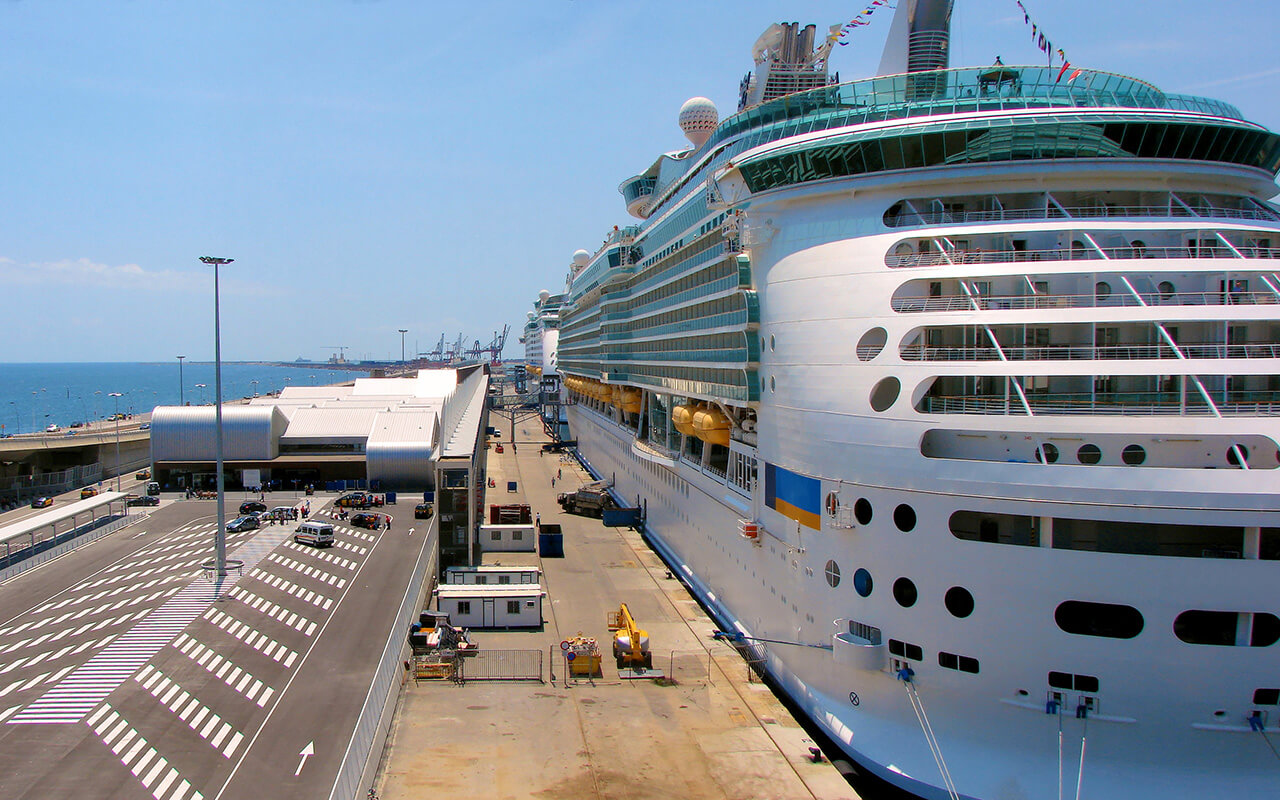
(953, 393)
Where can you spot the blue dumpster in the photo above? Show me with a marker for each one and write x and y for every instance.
(391, 498)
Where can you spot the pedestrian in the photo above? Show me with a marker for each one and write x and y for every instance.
(388, 522)
(537, 519)
(559, 473)
(553, 483)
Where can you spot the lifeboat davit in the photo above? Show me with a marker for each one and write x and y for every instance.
(682, 419)
(711, 426)
(628, 398)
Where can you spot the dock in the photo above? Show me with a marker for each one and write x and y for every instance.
(709, 729)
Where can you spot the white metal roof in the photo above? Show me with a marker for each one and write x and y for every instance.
(417, 425)
(329, 423)
(40, 521)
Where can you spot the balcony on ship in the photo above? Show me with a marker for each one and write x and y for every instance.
(977, 209)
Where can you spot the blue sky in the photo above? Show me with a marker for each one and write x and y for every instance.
(381, 165)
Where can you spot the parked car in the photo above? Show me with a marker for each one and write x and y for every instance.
(422, 511)
(282, 513)
(354, 500)
(143, 475)
(252, 506)
(243, 524)
(146, 426)
(88, 492)
(42, 502)
(368, 519)
(53, 428)
(141, 500)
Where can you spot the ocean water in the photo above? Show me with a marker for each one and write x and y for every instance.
(32, 396)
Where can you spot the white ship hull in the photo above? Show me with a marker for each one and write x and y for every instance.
(1157, 740)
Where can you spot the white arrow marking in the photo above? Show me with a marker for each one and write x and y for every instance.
(411, 530)
(307, 751)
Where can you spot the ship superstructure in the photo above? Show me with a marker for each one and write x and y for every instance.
(960, 386)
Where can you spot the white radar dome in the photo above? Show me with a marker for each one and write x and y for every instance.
(543, 295)
(698, 118)
(530, 314)
(580, 258)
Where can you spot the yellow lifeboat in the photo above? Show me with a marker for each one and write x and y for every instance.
(712, 426)
(682, 419)
(629, 399)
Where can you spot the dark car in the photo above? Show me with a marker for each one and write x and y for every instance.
(141, 500)
(252, 507)
(42, 502)
(243, 524)
(367, 519)
(422, 511)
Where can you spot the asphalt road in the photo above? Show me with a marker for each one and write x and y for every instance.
(125, 672)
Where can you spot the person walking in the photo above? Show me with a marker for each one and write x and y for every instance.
(559, 473)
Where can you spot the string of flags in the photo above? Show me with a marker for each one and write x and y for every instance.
(1044, 45)
(838, 32)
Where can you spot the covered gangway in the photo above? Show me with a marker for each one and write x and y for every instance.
(37, 532)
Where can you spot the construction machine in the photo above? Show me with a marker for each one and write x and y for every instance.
(630, 643)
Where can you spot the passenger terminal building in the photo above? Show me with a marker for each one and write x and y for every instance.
(412, 434)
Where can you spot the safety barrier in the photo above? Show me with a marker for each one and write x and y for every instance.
(500, 665)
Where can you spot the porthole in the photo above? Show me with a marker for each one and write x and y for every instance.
(1088, 454)
(871, 343)
(885, 394)
(904, 591)
(833, 574)
(862, 583)
(958, 601)
(833, 503)
(1222, 628)
(1166, 290)
(862, 511)
(1108, 620)
(773, 384)
(773, 343)
(904, 516)
(1133, 455)
(1233, 454)
(1047, 453)
(1102, 290)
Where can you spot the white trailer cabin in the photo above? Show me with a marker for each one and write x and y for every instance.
(508, 539)
(492, 575)
(506, 606)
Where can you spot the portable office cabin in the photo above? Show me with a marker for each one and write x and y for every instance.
(492, 575)
(471, 606)
(508, 539)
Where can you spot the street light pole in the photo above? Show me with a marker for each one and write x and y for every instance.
(220, 538)
(117, 396)
(403, 331)
(182, 400)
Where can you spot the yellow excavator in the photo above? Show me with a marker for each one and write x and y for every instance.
(630, 644)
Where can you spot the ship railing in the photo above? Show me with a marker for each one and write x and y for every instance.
(1065, 352)
(915, 305)
(918, 218)
(976, 256)
(1135, 404)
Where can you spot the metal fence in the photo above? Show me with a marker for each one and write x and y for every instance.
(500, 665)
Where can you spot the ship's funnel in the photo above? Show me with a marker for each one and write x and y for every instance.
(919, 38)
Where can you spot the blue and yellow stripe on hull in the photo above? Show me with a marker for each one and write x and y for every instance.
(793, 495)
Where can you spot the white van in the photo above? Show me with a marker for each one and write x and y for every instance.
(319, 534)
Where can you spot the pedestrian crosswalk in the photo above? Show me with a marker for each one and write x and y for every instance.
(143, 761)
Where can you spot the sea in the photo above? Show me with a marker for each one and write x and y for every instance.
(34, 396)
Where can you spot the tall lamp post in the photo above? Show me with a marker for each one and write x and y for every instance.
(182, 400)
(403, 331)
(201, 387)
(117, 396)
(220, 538)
